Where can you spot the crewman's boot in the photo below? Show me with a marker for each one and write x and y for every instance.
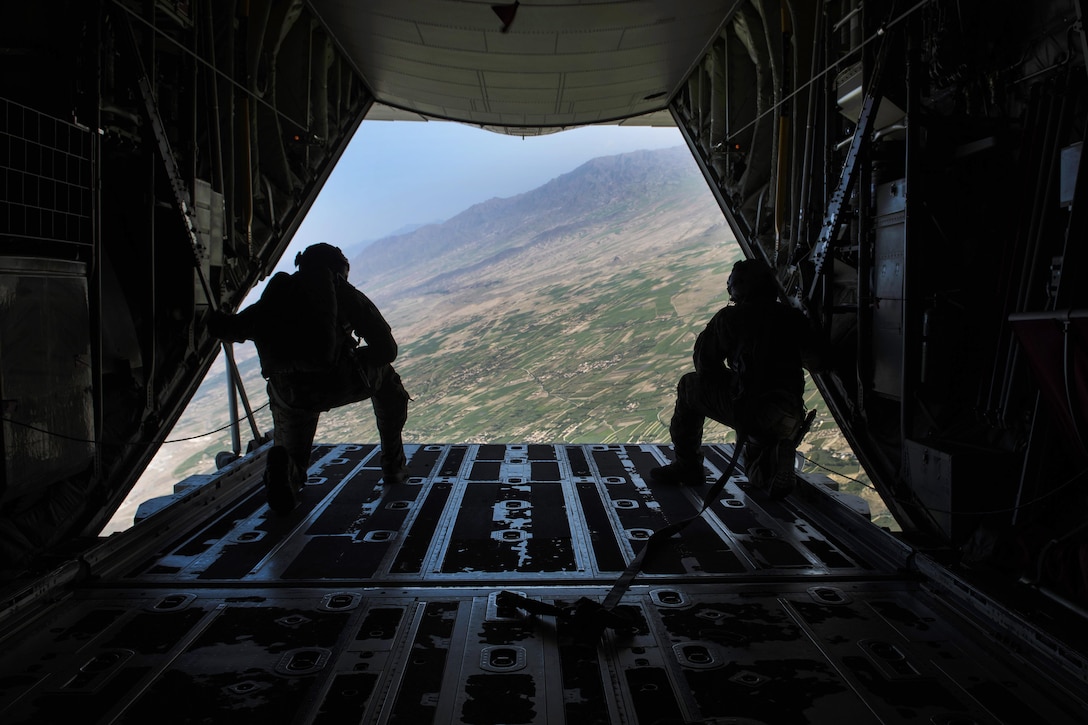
(784, 479)
(394, 462)
(784, 457)
(280, 492)
(390, 412)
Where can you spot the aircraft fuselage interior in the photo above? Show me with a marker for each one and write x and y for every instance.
(909, 169)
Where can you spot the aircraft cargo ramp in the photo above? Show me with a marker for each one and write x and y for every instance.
(373, 604)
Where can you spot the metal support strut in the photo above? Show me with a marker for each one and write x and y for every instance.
(833, 215)
(181, 199)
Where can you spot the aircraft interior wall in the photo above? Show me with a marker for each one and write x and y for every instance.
(159, 158)
(910, 174)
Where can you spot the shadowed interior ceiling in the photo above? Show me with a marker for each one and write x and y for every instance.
(526, 66)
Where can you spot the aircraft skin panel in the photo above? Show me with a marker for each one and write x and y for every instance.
(460, 62)
(381, 604)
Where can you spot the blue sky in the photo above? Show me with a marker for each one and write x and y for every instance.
(397, 173)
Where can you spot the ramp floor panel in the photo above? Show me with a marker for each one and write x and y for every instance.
(458, 516)
(381, 604)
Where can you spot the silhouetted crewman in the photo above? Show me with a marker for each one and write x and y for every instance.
(304, 327)
(748, 375)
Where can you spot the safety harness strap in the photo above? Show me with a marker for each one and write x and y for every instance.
(654, 542)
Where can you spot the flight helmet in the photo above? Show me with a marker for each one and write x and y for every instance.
(751, 281)
(323, 255)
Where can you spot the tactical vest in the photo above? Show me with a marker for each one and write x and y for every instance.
(298, 326)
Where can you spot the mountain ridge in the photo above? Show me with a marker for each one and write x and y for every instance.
(480, 230)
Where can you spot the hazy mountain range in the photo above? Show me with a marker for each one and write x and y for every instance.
(603, 191)
(564, 314)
